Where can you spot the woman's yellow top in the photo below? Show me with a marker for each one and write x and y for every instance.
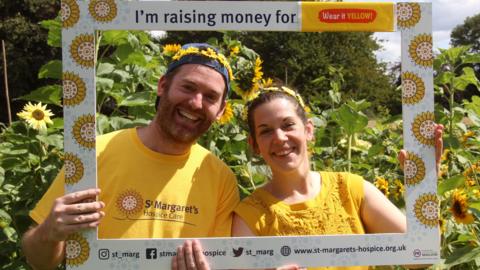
(335, 210)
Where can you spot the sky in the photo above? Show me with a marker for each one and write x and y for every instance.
(446, 14)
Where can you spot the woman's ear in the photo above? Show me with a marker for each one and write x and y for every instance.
(253, 145)
(310, 130)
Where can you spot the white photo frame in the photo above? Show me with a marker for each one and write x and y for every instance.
(421, 243)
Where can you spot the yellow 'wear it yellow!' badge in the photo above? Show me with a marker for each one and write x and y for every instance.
(369, 17)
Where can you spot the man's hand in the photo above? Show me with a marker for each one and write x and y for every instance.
(402, 155)
(71, 213)
(190, 256)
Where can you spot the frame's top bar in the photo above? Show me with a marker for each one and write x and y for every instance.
(245, 15)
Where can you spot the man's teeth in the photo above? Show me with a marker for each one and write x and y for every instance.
(187, 115)
(284, 152)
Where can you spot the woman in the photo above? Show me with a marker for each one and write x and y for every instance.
(296, 200)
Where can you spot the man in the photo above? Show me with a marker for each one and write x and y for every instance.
(155, 178)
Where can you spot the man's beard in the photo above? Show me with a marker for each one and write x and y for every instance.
(176, 133)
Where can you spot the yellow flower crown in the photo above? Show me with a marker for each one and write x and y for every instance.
(207, 52)
(281, 89)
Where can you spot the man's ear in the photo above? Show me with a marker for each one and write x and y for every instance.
(222, 110)
(253, 145)
(310, 130)
(161, 86)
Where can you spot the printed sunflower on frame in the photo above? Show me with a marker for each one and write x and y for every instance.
(414, 169)
(426, 209)
(73, 168)
(420, 50)
(82, 50)
(74, 89)
(69, 13)
(413, 88)
(103, 10)
(129, 202)
(84, 131)
(408, 14)
(77, 250)
(423, 128)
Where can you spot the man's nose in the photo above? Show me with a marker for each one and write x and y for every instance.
(196, 101)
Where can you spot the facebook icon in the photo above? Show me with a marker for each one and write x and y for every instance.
(151, 253)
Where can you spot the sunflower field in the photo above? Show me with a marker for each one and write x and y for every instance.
(128, 66)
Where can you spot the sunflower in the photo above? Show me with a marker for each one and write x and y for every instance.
(69, 13)
(420, 50)
(399, 189)
(248, 83)
(414, 169)
(382, 184)
(129, 202)
(267, 83)
(77, 250)
(74, 89)
(408, 14)
(426, 209)
(445, 155)
(466, 136)
(103, 10)
(459, 208)
(171, 49)
(84, 131)
(472, 174)
(234, 50)
(37, 116)
(423, 127)
(82, 50)
(413, 88)
(73, 168)
(227, 114)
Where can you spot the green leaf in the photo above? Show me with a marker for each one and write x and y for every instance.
(55, 140)
(52, 70)
(137, 99)
(11, 234)
(114, 37)
(5, 219)
(104, 83)
(54, 32)
(105, 68)
(135, 58)
(349, 119)
(450, 183)
(2, 176)
(444, 78)
(462, 255)
(376, 149)
(50, 94)
(474, 105)
(103, 125)
(471, 59)
(468, 77)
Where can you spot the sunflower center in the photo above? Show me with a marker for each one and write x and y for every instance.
(38, 115)
(458, 209)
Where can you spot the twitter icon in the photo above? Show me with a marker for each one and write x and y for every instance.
(237, 252)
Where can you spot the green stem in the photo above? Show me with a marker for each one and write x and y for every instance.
(349, 153)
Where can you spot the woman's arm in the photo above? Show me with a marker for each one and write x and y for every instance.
(378, 214)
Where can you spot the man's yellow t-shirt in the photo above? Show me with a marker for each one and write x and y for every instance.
(152, 195)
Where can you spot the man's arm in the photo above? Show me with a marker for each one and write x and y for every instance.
(43, 244)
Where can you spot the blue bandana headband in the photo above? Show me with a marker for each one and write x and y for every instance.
(203, 54)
